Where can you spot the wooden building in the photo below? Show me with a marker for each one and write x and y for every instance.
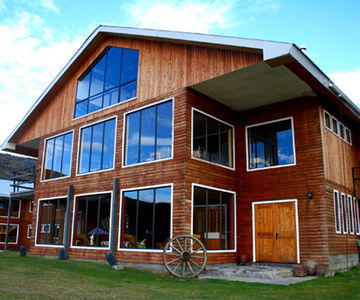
(148, 134)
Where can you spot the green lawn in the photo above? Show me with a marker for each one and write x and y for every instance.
(35, 277)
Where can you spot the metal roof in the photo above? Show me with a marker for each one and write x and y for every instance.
(270, 50)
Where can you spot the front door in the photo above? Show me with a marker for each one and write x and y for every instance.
(275, 232)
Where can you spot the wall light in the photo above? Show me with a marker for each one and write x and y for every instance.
(309, 194)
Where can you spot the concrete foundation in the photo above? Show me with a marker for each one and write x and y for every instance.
(342, 262)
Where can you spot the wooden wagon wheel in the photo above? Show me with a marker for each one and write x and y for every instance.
(185, 256)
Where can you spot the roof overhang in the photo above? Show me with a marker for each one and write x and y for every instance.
(274, 53)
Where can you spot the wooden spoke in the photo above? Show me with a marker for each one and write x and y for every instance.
(183, 255)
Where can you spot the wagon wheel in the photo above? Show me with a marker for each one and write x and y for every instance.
(185, 256)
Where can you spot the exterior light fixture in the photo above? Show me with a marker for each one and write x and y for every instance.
(309, 194)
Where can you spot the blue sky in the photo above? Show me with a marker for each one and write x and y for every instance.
(39, 37)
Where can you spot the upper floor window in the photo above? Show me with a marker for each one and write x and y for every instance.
(57, 157)
(111, 79)
(271, 144)
(337, 127)
(97, 144)
(4, 206)
(212, 140)
(148, 134)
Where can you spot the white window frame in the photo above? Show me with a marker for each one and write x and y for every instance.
(350, 141)
(264, 123)
(337, 213)
(337, 125)
(44, 154)
(74, 217)
(43, 228)
(296, 223)
(344, 214)
(31, 206)
(17, 233)
(37, 223)
(18, 213)
(234, 214)
(326, 113)
(79, 145)
(123, 164)
(351, 213)
(29, 231)
(122, 191)
(193, 109)
(331, 129)
(356, 215)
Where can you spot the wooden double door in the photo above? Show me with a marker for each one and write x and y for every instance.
(275, 232)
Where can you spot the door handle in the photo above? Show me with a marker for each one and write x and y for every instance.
(277, 236)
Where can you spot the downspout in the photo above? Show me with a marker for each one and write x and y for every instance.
(67, 222)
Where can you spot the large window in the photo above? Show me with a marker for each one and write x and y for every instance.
(13, 233)
(351, 213)
(344, 213)
(145, 219)
(357, 215)
(213, 218)
(51, 217)
(149, 134)
(270, 144)
(337, 212)
(97, 147)
(92, 221)
(4, 206)
(111, 79)
(212, 140)
(57, 156)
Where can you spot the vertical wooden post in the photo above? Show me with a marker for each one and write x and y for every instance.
(67, 222)
(114, 217)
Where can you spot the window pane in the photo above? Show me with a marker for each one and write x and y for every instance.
(128, 238)
(145, 219)
(226, 145)
(83, 88)
(129, 65)
(111, 97)
(147, 140)
(213, 140)
(113, 68)
(128, 91)
(59, 144)
(13, 233)
(81, 109)
(162, 217)
(327, 121)
(67, 155)
(164, 131)
(132, 138)
(98, 77)
(85, 149)
(199, 136)
(271, 144)
(49, 154)
(108, 154)
(97, 147)
(95, 104)
(4, 205)
(51, 222)
(337, 212)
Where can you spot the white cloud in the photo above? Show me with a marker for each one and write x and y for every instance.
(349, 83)
(29, 60)
(49, 4)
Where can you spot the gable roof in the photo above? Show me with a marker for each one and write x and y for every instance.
(270, 50)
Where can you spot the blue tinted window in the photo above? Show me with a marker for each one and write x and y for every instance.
(112, 79)
(97, 147)
(57, 157)
(149, 133)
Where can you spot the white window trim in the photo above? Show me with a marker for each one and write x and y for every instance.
(344, 213)
(326, 113)
(350, 213)
(19, 211)
(123, 164)
(79, 144)
(338, 214)
(171, 185)
(31, 210)
(73, 220)
(37, 223)
(264, 123)
(17, 234)
(43, 226)
(43, 156)
(234, 213)
(296, 223)
(356, 216)
(193, 109)
(29, 231)
(338, 127)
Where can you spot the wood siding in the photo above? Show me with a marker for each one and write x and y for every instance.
(163, 69)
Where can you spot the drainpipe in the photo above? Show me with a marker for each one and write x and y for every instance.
(67, 222)
(113, 216)
(8, 225)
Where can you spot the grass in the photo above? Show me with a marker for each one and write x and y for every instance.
(34, 277)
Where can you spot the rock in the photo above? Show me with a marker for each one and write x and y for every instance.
(118, 267)
(321, 270)
(311, 266)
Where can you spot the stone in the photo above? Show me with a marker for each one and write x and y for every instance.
(118, 267)
(299, 270)
(311, 266)
(321, 270)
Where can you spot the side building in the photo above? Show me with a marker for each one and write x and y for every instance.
(147, 134)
